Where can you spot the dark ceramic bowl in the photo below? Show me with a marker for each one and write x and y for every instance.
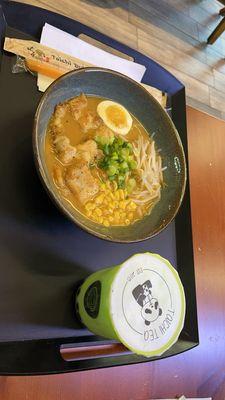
(117, 87)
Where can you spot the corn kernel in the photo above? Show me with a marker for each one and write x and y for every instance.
(122, 204)
(89, 206)
(103, 186)
(117, 214)
(127, 221)
(111, 195)
(130, 215)
(105, 222)
(98, 211)
(123, 215)
(100, 220)
(116, 204)
(110, 210)
(125, 193)
(94, 214)
(117, 195)
(121, 194)
(99, 199)
(89, 213)
(115, 186)
(111, 218)
(133, 205)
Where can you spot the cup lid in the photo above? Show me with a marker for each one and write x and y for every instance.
(147, 304)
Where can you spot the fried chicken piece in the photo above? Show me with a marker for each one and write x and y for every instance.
(56, 124)
(81, 182)
(59, 179)
(104, 131)
(65, 151)
(88, 151)
(89, 120)
(61, 143)
(77, 105)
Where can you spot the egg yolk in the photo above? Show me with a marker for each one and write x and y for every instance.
(116, 115)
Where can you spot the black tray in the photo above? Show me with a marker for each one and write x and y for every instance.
(43, 255)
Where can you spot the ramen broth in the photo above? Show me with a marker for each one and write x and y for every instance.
(106, 199)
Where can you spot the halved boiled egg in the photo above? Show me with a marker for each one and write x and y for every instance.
(115, 116)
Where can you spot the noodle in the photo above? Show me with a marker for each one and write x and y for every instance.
(149, 171)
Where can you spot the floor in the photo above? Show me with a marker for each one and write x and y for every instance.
(172, 32)
(195, 373)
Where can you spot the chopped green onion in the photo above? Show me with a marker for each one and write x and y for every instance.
(120, 141)
(111, 139)
(117, 160)
(133, 164)
(106, 149)
(111, 170)
(124, 153)
(121, 178)
(131, 185)
(114, 156)
(124, 165)
(104, 140)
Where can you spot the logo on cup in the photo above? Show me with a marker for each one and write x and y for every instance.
(150, 309)
(148, 304)
(92, 299)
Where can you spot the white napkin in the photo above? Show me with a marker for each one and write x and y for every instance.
(62, 41)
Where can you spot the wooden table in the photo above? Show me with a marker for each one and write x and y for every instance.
(199, 372)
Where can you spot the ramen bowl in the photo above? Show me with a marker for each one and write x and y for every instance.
(121, 89)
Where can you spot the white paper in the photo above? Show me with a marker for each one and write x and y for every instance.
(62, 41)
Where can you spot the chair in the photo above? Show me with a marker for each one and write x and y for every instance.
(220, 27)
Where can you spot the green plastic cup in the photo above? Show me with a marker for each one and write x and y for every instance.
(140, 303)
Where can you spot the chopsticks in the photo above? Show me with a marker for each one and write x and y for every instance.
(53, 63)
(43, 59)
